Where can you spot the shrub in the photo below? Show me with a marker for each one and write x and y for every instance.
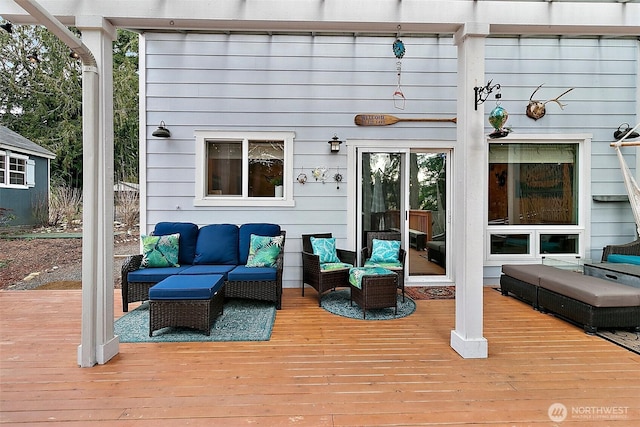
(65, 205)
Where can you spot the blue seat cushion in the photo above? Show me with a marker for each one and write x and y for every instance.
(187, 287)
(207, 269)
(217, 244)
(154, 275)
(187, 242)
(242, 273)
(624, 259)
(257, 228)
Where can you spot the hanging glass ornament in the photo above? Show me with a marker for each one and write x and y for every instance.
(497, 118)
(398, 48)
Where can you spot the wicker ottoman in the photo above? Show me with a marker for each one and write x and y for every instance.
(378, 288)
(192, 301)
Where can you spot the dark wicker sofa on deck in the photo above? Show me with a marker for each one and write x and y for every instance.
(212, 249)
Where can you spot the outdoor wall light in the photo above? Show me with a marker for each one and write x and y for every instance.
(7, 27)
(162, 131)
(73, 54)
(335, 144)
(33, 58)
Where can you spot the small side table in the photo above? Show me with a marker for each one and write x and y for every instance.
(378, 288)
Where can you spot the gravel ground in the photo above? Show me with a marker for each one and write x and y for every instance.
(29, 263)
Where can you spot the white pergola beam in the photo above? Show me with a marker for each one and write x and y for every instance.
(362, 16)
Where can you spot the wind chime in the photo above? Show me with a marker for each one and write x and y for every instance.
(398, 49)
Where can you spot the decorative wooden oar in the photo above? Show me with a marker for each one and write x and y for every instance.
(386, 119)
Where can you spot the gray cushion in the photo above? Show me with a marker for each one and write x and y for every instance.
(529, 273)
(591, 290)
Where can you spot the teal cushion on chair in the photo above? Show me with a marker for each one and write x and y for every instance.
(325, 248)
(624, 259)
(385, 251)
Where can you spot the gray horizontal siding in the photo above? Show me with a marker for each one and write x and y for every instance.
(314, 86)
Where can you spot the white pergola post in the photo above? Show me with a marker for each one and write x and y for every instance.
(470, 158)
(98, 343)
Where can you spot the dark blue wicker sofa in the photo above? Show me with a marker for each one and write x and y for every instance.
(212, 249)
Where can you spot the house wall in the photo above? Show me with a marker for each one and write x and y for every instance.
(314, 85)
(21, 201)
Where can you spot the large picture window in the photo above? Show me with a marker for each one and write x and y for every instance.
(535, 189)
(236, 168)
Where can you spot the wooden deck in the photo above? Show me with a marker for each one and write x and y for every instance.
(317, 370)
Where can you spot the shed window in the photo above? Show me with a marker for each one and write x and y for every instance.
(15, 170)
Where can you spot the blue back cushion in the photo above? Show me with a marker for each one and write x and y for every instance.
(217, 244)
(187, 242)
(624, 259)
(257, 228)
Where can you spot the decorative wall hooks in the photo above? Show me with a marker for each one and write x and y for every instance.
(536, 109)
(320, 174)
(482, 93)
(302, 178)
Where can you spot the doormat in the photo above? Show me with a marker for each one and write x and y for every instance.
(623, 337)
(430, 292)
(241, 320)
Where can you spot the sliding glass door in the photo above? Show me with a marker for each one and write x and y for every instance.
(406, 191)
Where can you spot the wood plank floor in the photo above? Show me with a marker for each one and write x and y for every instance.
(318, 369)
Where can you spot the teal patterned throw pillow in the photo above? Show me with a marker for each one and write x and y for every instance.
(385, 251)
(160, 251)
(325, 248)
(264, 251)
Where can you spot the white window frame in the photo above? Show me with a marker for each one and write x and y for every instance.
(202, 137)
(29, 170)
(582, 228)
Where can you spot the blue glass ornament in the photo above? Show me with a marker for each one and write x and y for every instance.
(398, 48)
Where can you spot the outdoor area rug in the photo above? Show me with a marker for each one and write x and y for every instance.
(624, 338)
(430, 292)
(337, 302)
(242, 320)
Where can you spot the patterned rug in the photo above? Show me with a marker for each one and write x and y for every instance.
(624, 338)
(337, 302)
(242, 320)
(431, 292)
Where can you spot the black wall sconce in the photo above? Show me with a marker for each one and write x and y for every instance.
(162, 131)
(482, 93)
(7, 27)
(335, 144)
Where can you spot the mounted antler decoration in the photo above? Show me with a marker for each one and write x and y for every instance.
(536, 109)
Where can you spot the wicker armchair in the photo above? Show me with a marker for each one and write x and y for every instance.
(632, 248)
(365, 253)
(313, 276)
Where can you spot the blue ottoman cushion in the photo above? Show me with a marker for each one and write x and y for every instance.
(187, 287)
(242, 273)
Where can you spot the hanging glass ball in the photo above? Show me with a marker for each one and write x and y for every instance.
(398, 48)
(498, 117)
